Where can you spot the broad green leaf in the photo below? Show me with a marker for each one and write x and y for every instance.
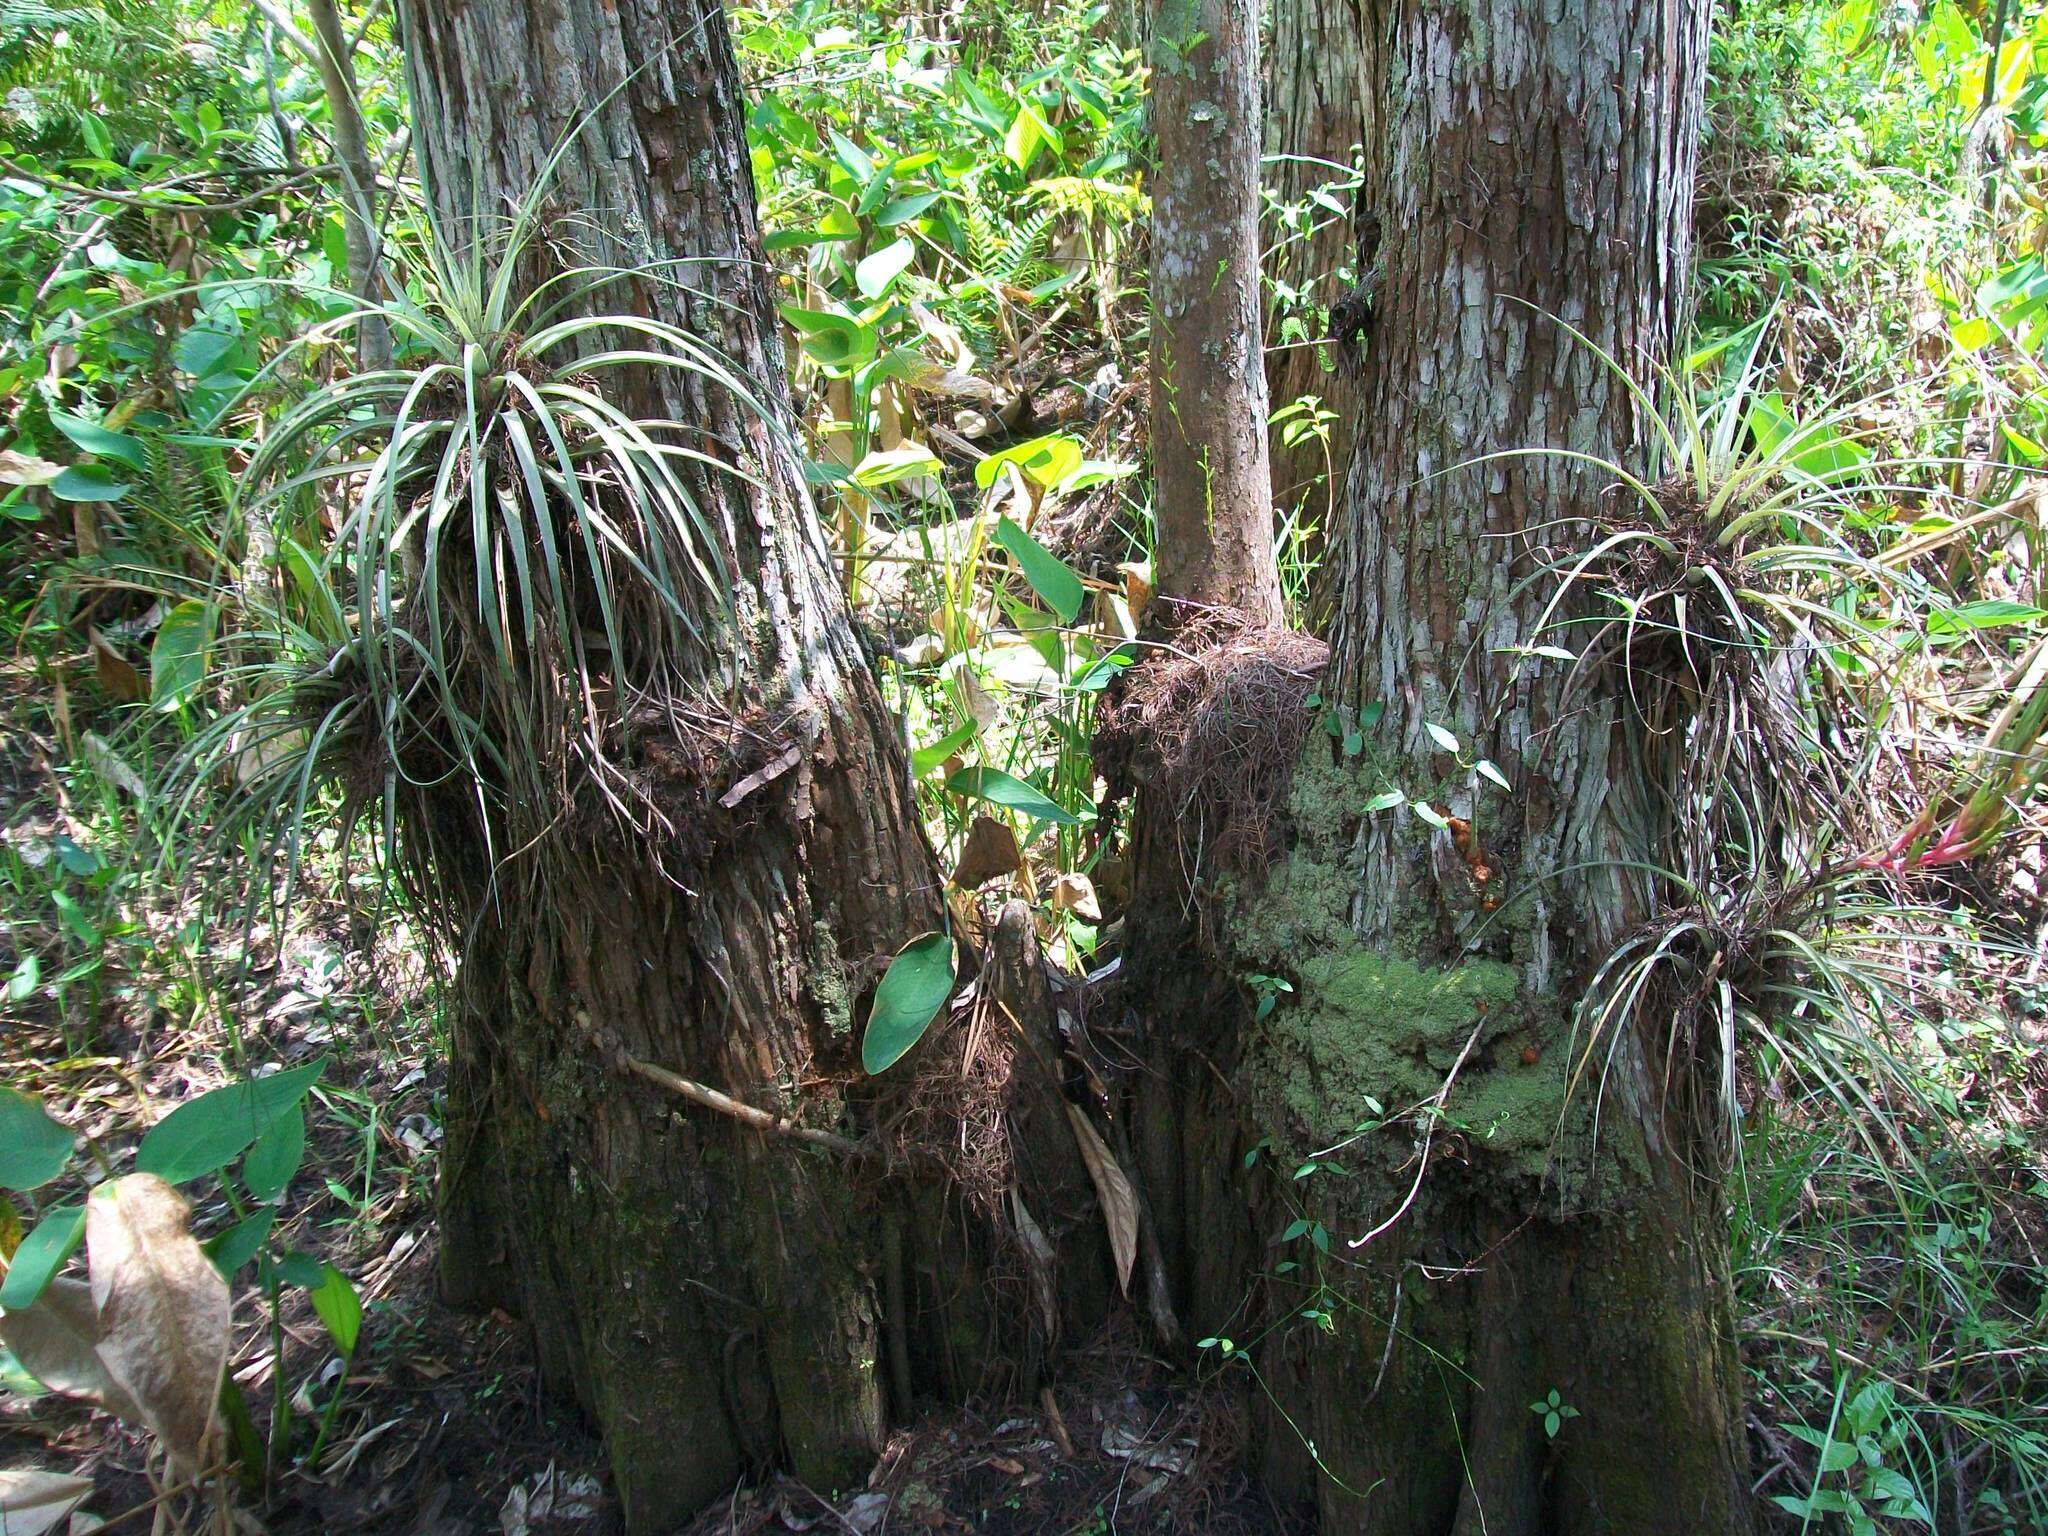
(301, 1269)
(885, 466)
(33, 1147)
(1429, 813)
(852, 158)
(1049, 460)
(88, 482)
(913, 990)
(203, 347)
(1000, 788)
(91, 437)
(836, 340)
(1385, 800)
(902, 210)
(1050, 577)
(276, 1156)
(205, 1134)
(1441, 737)
(41, 1254)
(339, 1308)
(879, 269)
(177, 660)
(927, 760)
(1986, 613)
(240, 1243)
(1029, 133)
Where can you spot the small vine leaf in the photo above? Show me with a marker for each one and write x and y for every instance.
(33, 1501)
(33, 1147)
(57, 1342)
(913, 990)
(164, 1310)
(1113, 1192)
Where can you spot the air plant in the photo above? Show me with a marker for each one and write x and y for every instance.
(1753, 639)
(520, 566)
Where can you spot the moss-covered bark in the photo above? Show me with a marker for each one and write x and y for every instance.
(1528, 1227)
(720, 1299)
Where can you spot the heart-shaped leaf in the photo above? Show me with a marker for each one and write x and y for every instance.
(205, 1134)
(164, 1310)
(33, 1147)
(913, 990)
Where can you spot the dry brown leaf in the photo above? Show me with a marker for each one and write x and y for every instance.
(57, 1342)
(1043, 1261)
(1137, 589)
(1076, 893)
(111, 766)
(26, 469)
(116, 673)
(32, 1500)
(163, 1310)
(975, 699)
(990, 850)
(1113, 1192)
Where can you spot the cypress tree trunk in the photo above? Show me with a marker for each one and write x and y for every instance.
(1213, 490)
(720, 1297)
(1320, 101)
(1423, 1057)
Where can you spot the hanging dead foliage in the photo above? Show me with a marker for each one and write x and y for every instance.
(1213, 722)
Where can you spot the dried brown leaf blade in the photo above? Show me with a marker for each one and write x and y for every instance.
(33, 1501)
(57, 1342)
(163, 1309)
(1113, 1192)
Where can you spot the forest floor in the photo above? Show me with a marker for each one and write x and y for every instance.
(444, 1427)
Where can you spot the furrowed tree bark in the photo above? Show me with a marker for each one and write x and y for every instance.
(1212, 495)
(1218, 588)
(1319, 103)
(1531, 162)
(719, 1294)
